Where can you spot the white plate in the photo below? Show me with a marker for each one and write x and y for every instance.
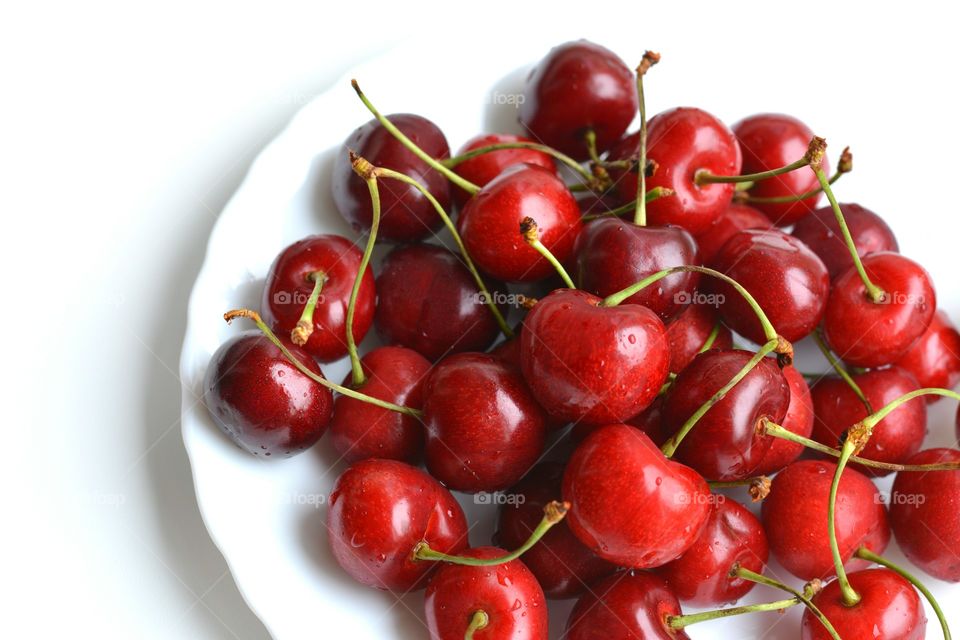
(268, 517)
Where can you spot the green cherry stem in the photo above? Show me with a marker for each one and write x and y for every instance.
(805, 596)
(681, 621)
(653, 194)
(531, 233)
(478, 621)
(759, 486)
(711, 338)
(304, 329)
(705, 177)
(841, 370)
(872, 420)
(854, 440)
(534, 146)
(640, 216)
(333, 386)
(845, 165)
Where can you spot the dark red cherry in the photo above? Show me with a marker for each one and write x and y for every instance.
(263, 402)
(821, 232)
(772, 140)
(612, 254)
(484, 428)
(799, 420)
(787, 279)
(579, 86)
(508, 593)
(509, 352)
(289, 285)
(871, 334)
(689, 331)
(733, 537)
(490, 223)
(934, 359)
(429, 302)
(736, 217)
(629, 503)
(725, 444)
(483, 168)
(889, 608)
(794, 517)
(627, 605)
(649, 421)
(589, 363)
(406, 215)
(923, 514)
(895, 438)
(360, 430)
(379, 510)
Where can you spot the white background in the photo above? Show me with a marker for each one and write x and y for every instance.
(126, 126)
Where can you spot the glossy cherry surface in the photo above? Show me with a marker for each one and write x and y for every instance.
(689, 331)
(799, 420)
(736, 217)
(821, 232)
(483, 168)
(934, 359)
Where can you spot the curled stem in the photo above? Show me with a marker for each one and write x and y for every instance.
(531, 233)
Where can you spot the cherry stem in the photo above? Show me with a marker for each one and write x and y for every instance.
(304, 329)
(841, 370)
(653, 194)
(640, 216)
(805, 596)
(845, 165)
(681, 621)
(872, 420)
(590, 138)
(815, 148)
(531, 233)
(534, 146)
(356, 395)
(553, 513)
(711, 338)
(466, 185)
(870, 556)
(853, 440)
(479, 621)
(759, 486)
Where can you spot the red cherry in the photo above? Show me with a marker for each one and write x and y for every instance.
(485, 167)
(360, 430)
(923, 514)
(821, 232)
(612, 254)
(870, 334)
(649, 421)
(407, 215)
(379, 511)
(725, 444)
(490, 223)
(579, 86)
(733, 537)
(261, 400)
(889, 608)
(484, 428)
(508, 593)
(629, 503)
(429, 302)
(289, 285)
(629, 604)
(589, 363)
(688, 332)
(772, 140)
(799, 420)
(787, 279)
(736, 217)
(934, 359)
(794, 517)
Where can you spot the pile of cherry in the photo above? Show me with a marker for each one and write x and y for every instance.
(639, 253)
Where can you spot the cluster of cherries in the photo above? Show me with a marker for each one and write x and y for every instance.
(640, 254)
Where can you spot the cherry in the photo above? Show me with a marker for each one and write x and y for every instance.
(484, 428)
(586, 362)
(489, 223)
(772, 140)
(787, 279)
(329, 263)
(261, 401)
(821, 232)
(360, 430)
(503, 601)
(429, 302)
(564, 567)
(794, 517)
(865, 333)
(629, 503)
(379, 511)
(732, 538)
(934, 359)
(923, 514)
(407, 215)
(649, 421)
(736, 217)
(579, 87)
(799, 420)
(483, 168)
(690, 331)
(612, 254)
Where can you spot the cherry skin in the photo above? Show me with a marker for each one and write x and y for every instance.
(379, 510)
(649, 421)
(732, 538)
(288, 286)
(869, 334)
(589, 363)
(688, 332)
(579, 86)
(629, 503)
(895, 438)
(429, 302)
(406, 215)
(794, 517)
(787, 279)
(564, 567)
(821, 232)
(483, 168)
(889, 608)
(799, 420)
(923, 514)
(508, 593)
(934, 359)
(261, 401)
(629, 604)
(736, 217)
(490, 223)
(360, 430)
(484, 428)
(772, 140)
(612, 254)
